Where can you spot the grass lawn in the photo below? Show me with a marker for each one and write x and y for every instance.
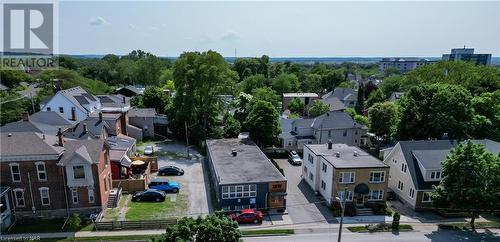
(466, 225)
(111, 214)
(155, 210)
(249, 233)
(379, 228)
(47, 226)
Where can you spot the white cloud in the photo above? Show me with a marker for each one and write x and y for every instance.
(132, 26)
(152, 28)
(98, 21)
(230, 36)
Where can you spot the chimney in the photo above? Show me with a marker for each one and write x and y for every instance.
(100, 116)
(60, 137)
(85, 128)
(123, 99)
(234, 152)
(337, 154)
(73, 113)
(329, 144)
(26, 117)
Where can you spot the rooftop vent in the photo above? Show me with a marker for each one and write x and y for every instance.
(337, 154)
(330, 144)
(355, 153)
(234, 152)
(9, 135)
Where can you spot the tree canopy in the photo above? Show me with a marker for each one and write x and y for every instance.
(318, 108)
(471, 177)
(383, 119)
(262, 122)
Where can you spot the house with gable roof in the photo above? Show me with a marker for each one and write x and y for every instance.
(74, 103)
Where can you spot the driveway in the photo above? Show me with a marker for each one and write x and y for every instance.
(303, 205)
(194, 182)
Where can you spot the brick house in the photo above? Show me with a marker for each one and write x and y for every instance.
(51, 177)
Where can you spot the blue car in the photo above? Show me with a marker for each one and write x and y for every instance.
(164, 184)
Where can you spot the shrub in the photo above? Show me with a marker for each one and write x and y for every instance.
(395, 221)
(74, 222)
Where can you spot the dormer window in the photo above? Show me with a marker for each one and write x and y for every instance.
(436, 175)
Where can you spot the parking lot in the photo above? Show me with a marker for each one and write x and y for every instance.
(194, 182)
(303, 205)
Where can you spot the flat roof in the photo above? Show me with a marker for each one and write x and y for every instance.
(250, 165)
(347, 157)
(300, 94)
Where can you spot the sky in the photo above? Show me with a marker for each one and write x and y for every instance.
(279, 29)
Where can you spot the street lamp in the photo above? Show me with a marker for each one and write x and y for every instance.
(342, 206)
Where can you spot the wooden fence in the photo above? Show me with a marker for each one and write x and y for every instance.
(130, 185)
(141, 224)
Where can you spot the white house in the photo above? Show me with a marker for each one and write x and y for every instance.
(74, 103)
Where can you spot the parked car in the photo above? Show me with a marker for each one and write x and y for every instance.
(151, 195)
(163, 184)
(148, 150)
(294, 158)
(170, 171)
(247, 216)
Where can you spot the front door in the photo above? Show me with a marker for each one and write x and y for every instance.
(276, 202)
(360, 200)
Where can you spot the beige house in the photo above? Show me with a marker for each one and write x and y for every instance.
(329, 169)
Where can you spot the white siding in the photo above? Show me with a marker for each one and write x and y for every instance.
(395, 175)
(327, 177)
(60, 100)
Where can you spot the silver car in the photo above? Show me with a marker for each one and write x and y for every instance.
(148, 150)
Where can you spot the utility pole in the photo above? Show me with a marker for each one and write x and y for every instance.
(32, 103)
(187, 139)
(342, 205)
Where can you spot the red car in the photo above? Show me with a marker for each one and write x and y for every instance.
(247, 216)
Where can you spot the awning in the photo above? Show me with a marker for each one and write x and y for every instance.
(362, 189)
(125, 161)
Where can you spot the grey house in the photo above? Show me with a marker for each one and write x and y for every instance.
(336, 126)
(348, 96)
(243, 176)
(141, 119)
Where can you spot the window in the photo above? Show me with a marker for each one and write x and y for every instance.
(61, 109)
(79, 172)
(426, 197)
(412, 193)
(347, 177)
(311, 176)
(376, 195)
(40, 169)
(15, 172)
(44, 195)
(19, 195)
(395, 161)
(345, 133)
(239, 191)
(106, 184)
(323, 168)
(329, 133)
(305, 170)
(400, 185)
(348, 198)
(49, 109)
(404, 167)
(91, 195)
(436, 175)
(323, 185)
(310, 158)
(377, 176)
(74, 195)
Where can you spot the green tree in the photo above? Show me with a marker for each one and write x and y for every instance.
(285, 83)
(383, 119)
(391, 84)
(154, 97)
(395, 221)
(214, 227)
(312, 83)
(263, 124)
(296, 106)
(486, 121)
(471, 180)
(361, 100)
(75, 222)
(252, 82)
(232, 127)
(199, 79)
(12, 78)
(266, 94)
(375, 97)
(318, 108)
(429, 111)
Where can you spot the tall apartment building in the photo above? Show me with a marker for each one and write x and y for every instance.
(404, 64)
(467, 54)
